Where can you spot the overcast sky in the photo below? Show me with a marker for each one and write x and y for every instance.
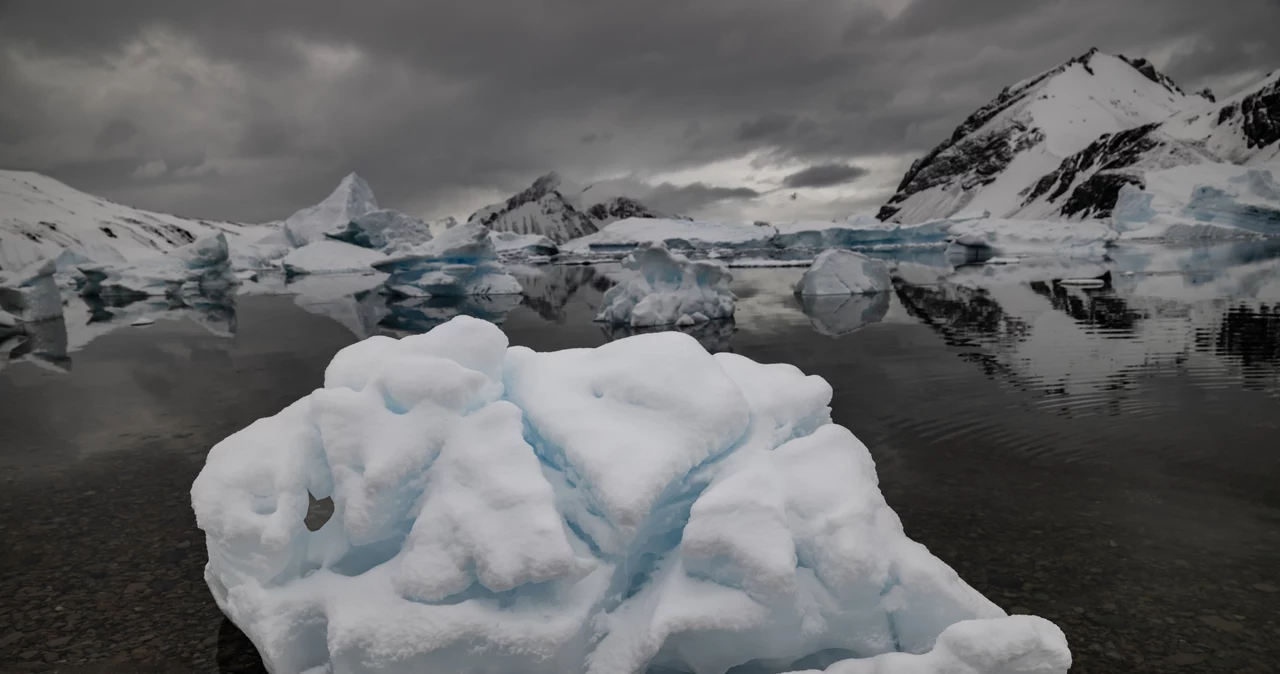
(770, 109)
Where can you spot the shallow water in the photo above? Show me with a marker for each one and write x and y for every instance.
(1107, 458)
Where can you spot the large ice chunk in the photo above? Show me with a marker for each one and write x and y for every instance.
(385, 230)
(460, 262)
(857, 231)
(30, 294)
(665, 288)
(203, 268)
(844, 272)
(639, 505)
(352, 198)
(330, 257)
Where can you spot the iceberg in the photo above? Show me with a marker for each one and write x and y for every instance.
(858, 231)
(979, 239)
(1201, 201)
(460, 262)
(664, 288)
(352, 198)
(385, 230)
(42, 343)
(31, 294)
(201, 268)
(330, 257)
(639, 506)
(844, 272)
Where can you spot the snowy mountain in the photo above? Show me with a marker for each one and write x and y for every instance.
(1005, 148)
(559, 210)
(40, 217)
(1243, 129)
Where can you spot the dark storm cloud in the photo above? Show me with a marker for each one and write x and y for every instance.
(431, 99)
(824, 175)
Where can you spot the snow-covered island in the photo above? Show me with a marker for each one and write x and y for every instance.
(641, 504)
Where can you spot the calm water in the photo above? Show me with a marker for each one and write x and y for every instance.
(1108, 458)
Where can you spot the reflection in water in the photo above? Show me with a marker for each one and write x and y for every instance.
(547, 289)
(837, 315)
(43, 343)
(417, 315)
(714, 336)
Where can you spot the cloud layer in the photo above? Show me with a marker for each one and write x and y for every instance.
(248, 110)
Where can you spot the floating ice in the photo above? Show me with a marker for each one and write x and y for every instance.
(352, 198)
(601, 511)
(857, 231)
(30, 294)
(665, 288)
(8, 320)
(978, 239)
(330, 257)
(203, 268)
(460, 262)
(844, 272)
(385, 230)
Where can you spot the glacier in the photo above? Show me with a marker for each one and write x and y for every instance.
(643, 504)
(201, 268)
(30, 294)
(684, 235)
(659, 287)
(1201, 201)
(461, 261)
(837, 271)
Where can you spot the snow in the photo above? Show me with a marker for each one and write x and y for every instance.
(460, 261)
(352, 198)
(1221, 133)
(549, 208)
(203, 268)
(385, 230)
(674, 234)
(599, 511)
(1202, 201)
(844, 272)
(41, 217)
(330, 257)
(665, 288)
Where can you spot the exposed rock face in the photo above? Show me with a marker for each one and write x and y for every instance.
(620, 208)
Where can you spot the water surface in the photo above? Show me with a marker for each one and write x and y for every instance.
(1107, 458)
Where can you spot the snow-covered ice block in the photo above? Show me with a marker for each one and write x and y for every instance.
(460, 261)
(979, 239)
(330, 257)
(844, 272)
(624, 235)
(385, 230)
(510, 244)
(585, 511)
(857, 231)
(1201, 201)
(664, 288)
(31, 294)
(202, 268)
(352, 198)
(839, 315)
